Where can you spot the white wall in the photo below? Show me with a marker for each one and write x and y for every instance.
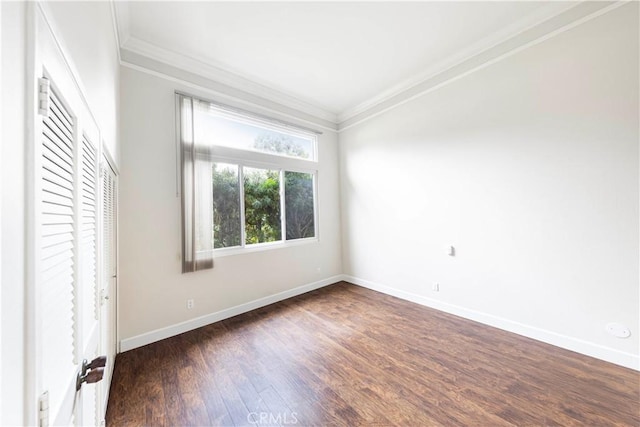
(12, 327)
(152, 290)
(529, 167)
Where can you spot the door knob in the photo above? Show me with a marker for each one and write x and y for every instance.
(98, 362)
(91, 372)
(93, 376)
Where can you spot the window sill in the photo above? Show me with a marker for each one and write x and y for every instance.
(260, 247)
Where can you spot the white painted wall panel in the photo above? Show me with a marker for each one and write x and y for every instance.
(529, 167)
(13, 212)
(153, 292)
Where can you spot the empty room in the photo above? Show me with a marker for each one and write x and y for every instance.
(308, 213)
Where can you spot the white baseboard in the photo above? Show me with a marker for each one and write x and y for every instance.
(607, 354)
(179, 328)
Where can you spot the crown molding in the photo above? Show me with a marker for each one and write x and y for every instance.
(114, 23)
(521, 34)
(481, 45)
(557, 24)
(122, 22)
(220, 75)
(205, 88)
(215, 72)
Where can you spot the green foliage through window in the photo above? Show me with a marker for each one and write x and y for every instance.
(226, 206)
(262, 205)
(298, 190)
(281, 144)
(262, 191)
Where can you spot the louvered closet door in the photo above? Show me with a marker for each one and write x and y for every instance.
(58, 254)
(69, 298)
(109, 273)
(89, 305)
(65, 248)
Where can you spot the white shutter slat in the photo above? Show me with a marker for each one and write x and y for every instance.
(57, 220)
(88, 229)
(53, 138)
(57, 107)
(52, 161)
(59, 199)
(88, 198)
(53, 255)
(59, 124)
(54, 229)
(89, 215)
(90, 305)
(88, 223)
(57, 249)
(55, 172)
(47, 175)
(51, 185)
(55, 239)
(58, 132)
(59, 276)
(90, 153)
(53, 208)
(58, 270)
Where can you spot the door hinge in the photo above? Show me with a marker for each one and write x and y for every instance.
(43, 410)
(43, 96)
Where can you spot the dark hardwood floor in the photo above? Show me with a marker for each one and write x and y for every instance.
(344, 355)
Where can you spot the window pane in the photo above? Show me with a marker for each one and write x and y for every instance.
(226, 206)
(217, 127)
(298, 191)
(262, 205)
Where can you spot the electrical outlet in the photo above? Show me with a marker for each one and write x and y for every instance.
(189, 304)
(435, 287)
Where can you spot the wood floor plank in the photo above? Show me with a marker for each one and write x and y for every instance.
(421, 394)
(345, 356)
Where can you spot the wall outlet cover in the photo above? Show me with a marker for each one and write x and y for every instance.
(618, 330)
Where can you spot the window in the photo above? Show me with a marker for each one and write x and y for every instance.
(216, 127)
(298, 190)
(226, 206)
(247, 182)
(262, 213)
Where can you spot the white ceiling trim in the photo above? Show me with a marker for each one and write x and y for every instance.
(573, 17)
(121, 18)
(481, 45)
(518, 36)
(207, 70)
(116, 33)
(225, 77)
(200, 90)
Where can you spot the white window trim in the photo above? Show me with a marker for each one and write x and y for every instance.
(261, 160)
(260, 247)
(257, 247)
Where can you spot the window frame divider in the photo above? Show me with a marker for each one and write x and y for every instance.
(243, 232)
(283, 212)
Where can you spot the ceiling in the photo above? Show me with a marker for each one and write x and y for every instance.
(338, 57)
